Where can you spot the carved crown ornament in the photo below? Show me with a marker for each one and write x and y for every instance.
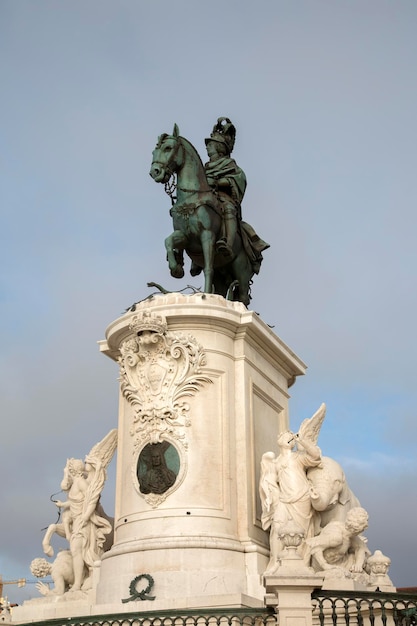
(159, 369)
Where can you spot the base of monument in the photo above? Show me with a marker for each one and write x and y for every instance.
(195, 572)
(207, 380)
(42, 609)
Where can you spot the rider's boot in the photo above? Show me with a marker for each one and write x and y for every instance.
(225, 245)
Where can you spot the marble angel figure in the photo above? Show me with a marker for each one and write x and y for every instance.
(83, 520)
(284, 488)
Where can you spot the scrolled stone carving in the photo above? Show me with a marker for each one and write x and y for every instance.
(159, 369)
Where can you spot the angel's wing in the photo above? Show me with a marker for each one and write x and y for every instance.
(268, 488)
(310, 427)
(104, 449)
(99, 458)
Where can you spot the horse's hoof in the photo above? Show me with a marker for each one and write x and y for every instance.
(177, 272)
(49, 551)
(195, 270)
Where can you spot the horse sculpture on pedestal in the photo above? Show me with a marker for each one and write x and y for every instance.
(198, 221)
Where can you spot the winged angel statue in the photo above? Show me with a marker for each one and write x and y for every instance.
(284, 487)
(84, 523)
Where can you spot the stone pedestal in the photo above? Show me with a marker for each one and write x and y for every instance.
(289, 587)
(291, 597)
(204, 392)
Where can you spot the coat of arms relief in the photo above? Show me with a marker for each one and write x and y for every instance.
(159, 370)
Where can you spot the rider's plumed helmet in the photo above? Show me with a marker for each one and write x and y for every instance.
(223, 132)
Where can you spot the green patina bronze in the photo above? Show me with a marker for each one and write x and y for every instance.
(206, 212)
(142, 594)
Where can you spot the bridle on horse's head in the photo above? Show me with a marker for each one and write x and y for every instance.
(168, 166)
(171, 185)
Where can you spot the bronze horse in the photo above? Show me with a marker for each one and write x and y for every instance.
(197, 219)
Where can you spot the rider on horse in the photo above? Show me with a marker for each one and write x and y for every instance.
(206, 212)
(229, 181)
(227, 178)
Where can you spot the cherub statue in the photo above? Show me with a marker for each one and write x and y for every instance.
(84, 524)
(284, 487)
(339, 546)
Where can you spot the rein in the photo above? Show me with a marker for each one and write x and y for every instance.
(170, 188)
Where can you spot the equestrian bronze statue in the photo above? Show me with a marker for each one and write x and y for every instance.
(206, 212)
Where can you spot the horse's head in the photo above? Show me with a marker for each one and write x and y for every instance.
(167, 156)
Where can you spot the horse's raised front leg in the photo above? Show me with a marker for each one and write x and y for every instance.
(175, 245)
(208, 240)
(46, 543)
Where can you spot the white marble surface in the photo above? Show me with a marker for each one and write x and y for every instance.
(208, 380)
(203, 537)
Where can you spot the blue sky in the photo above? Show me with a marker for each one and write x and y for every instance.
(324, 98)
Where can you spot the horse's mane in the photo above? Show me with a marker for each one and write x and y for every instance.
(192, 149)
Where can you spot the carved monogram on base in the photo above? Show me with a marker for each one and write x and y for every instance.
(159, 369)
